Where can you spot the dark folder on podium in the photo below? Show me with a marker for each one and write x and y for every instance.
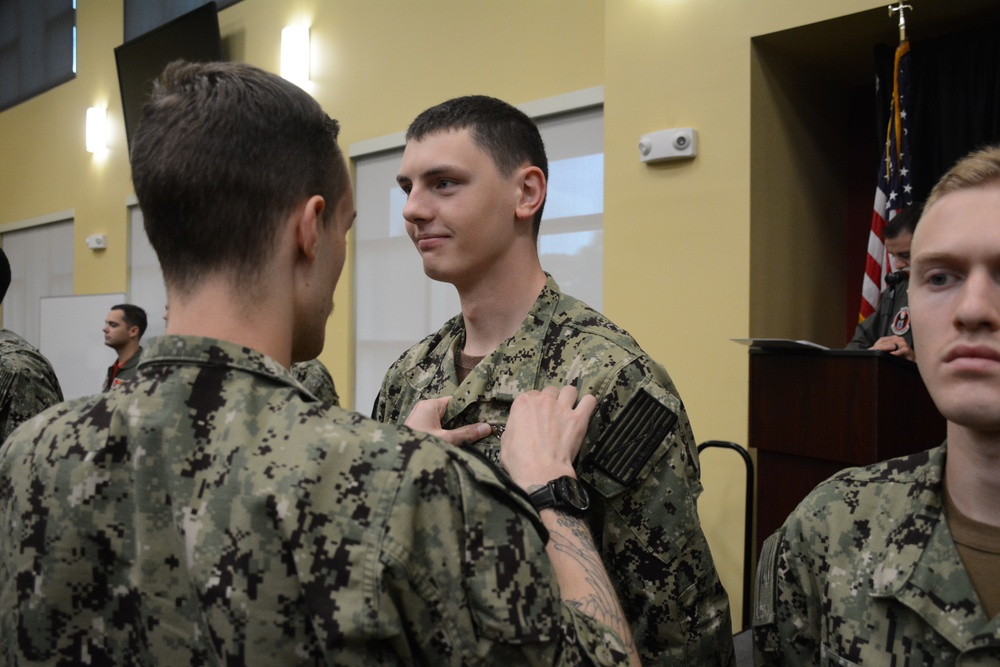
(814, 411)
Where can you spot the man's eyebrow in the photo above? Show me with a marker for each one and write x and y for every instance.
(428, 173)
(935, 257)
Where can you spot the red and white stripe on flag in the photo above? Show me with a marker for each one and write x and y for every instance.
(894, 191)
(877, 262)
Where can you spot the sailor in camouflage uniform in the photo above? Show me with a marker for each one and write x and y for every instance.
(473, 215)
(314, 376)
(212, 512)
(28, 384)
(899, 563)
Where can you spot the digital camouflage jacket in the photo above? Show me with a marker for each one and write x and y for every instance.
(210, 512)
(865, 572)
(639, 460)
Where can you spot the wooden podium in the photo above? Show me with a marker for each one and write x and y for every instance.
(814, 412)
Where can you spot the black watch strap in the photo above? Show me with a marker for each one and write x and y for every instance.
(565, 494)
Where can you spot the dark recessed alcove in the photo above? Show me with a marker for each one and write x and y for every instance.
(814, 144)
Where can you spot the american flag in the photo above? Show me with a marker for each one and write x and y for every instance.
(894, 191)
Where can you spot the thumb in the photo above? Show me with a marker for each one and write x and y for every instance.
(471, 433)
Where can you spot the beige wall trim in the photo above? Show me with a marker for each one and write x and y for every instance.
(387, 142)
(47, 219)
(575, 101)
(549, 106)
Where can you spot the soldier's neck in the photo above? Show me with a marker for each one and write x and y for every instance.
(494, 311)
(972, 470)
(262, 323)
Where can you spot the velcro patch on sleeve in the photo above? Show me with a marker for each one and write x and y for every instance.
(765, 586)
(631, 439)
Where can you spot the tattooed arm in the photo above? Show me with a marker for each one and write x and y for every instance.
(543, 436)
(583, 581)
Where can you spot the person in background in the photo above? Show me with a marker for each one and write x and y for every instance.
(123, 329)
(888, 328)
(211, 511)
(475, 174)
(898, 563)
(28, 384)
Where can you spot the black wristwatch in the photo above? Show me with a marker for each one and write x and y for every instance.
(565, 494)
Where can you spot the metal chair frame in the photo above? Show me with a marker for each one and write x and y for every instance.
(748, 522)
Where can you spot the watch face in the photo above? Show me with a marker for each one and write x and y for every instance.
(572, 493)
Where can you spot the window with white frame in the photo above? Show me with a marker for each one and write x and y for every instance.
(396, 305)
(41, 265)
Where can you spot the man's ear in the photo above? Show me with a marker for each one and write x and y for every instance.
(533, 189)
(308, 224)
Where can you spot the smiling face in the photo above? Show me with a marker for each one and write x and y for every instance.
(461, 212)
(954, 298)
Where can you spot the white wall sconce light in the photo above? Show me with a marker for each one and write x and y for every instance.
(295, 54)
(97, 129)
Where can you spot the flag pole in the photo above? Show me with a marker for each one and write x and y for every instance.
(901, 7)
(893, 191)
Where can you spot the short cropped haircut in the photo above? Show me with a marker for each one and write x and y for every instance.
(502, 131)
(133, 315)
(905, 221)
(223, 154)
(978, 169)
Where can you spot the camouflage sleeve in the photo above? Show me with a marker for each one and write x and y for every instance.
(786, 612)
(24, 392)
(499, 602)
(642, 460)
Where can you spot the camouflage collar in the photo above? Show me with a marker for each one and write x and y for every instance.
(199, 350)
(910, 570)
(490, 378)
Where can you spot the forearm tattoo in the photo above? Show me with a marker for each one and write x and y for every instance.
(572, 538)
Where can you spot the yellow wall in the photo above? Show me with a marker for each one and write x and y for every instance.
(45, 168)
(677, 236)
